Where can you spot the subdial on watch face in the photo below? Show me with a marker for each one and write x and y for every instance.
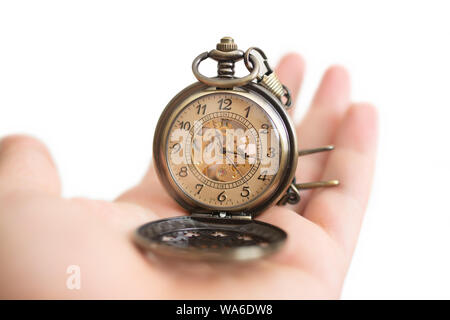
(221, 150)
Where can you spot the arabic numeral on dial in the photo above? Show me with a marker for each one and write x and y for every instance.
(222, 196)
(186, 125)
(199, 187)
(224, 104)
(271, 152)
(201, 109)
(245, 192)
(183, 172)
(263, 176)
(247, 111)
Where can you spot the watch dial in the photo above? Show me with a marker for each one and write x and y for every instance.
(223, 150)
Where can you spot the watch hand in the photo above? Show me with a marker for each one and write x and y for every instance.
(234, 166)
(243, 155)
(225, 154)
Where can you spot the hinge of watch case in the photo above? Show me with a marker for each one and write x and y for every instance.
(223, 215)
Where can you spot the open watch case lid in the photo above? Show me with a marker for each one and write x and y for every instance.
(213, 238)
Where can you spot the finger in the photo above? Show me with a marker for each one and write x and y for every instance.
(290, 71)
(26, 164)
(318, 127)
(340, 210)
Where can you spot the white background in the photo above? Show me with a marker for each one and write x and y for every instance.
(90, 78)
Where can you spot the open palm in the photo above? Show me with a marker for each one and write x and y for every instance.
(42, 233)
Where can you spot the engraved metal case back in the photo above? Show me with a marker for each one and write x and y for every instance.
(220, 239)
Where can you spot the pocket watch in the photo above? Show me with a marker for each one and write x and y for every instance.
(226, 150)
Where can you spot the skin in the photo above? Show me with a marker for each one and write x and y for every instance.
(42, 233)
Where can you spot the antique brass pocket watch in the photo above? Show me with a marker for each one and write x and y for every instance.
(225, 150)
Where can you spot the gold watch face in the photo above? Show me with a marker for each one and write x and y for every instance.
(223, 150)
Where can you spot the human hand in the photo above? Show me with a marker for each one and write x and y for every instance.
(42, 233)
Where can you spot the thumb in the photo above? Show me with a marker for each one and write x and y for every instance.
(26, 164)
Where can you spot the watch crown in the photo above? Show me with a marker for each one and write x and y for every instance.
(226, 44)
